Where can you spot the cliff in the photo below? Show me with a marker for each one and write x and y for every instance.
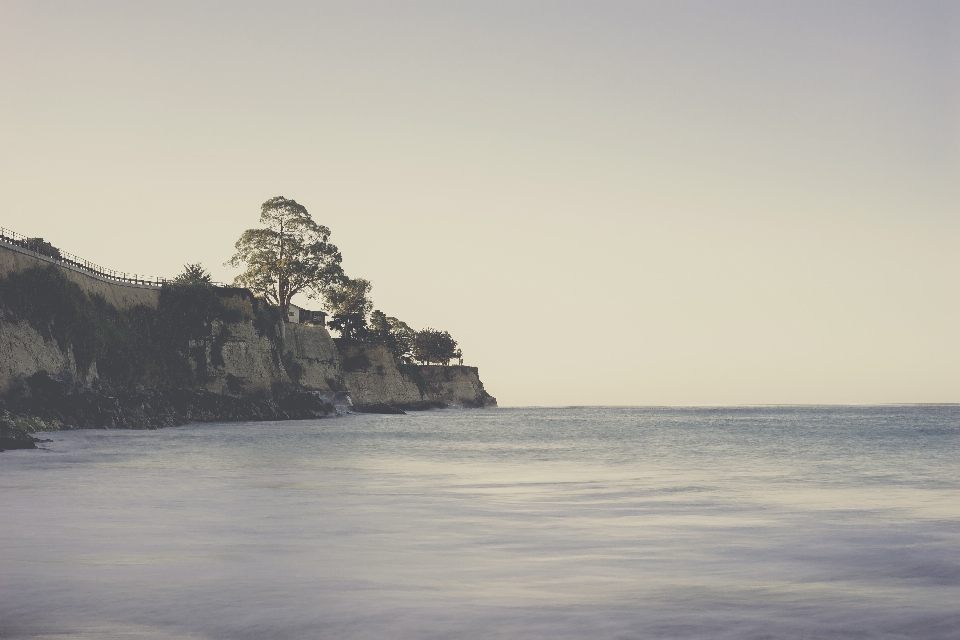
(374, 378)
(187, 353)
(24, 352)
(312, 358)
(455, 386)
(235, 359)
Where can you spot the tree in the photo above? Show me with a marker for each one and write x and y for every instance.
(349, 303)
(292, 254)
(394, 333)
(43, 247)
(194, 274)
(431, 345)
(379, 324)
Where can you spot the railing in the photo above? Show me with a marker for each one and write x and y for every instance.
(76, 262)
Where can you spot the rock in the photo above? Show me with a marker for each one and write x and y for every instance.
(74, 406)
(373, 377)
(13, 437)
(379, 408)
(455, 385)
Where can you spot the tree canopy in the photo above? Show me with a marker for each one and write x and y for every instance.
(349, 303)
(43, 247)
(194, 274)
(394, 333)
(432, 345)
(290, 254)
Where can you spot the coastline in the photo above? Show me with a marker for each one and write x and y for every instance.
(73, 357)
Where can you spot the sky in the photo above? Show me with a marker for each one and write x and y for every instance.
(606, 203)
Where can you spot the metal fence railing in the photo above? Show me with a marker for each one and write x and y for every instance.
(76, 262)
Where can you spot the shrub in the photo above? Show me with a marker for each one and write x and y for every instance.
(43, 247)
(194, 274)
(431, 345)
(138, 346)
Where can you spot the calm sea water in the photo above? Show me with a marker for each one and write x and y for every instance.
(772, 522)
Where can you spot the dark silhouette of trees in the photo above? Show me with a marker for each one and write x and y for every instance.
(43, 247)
(434, 346)
(394, 333)
(194, 274)
(349, 303)
(291, 254)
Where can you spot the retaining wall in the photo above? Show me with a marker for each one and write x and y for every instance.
(121, 295)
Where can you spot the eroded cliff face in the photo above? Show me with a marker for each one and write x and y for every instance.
(236, 360)
(456, 386)
(372, 376)
(24, 352)
(242, 354)
(315, 362)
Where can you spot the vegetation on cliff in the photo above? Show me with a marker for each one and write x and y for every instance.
(140, 346)
(15, 433)
(290, 254)
(149, 361)
(194, 274)
(395, 334)
(159, 362)
(434, 346)
(353, 315)
(42, 247)
(349, 304)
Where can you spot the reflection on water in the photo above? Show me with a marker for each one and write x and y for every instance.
(510, 523)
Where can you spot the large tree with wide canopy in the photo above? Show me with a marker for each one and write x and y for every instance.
(290, 254)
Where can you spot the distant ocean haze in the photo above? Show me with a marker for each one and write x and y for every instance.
(826, 522)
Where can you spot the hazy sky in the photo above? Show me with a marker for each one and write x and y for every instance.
(604, 202)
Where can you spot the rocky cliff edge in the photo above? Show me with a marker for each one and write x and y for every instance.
(239, 372)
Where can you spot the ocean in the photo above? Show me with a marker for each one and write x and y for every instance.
(583, 522)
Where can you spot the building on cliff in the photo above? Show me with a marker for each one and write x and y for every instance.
(299, 315)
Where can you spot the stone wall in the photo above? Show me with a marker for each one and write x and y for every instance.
(122, 296)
